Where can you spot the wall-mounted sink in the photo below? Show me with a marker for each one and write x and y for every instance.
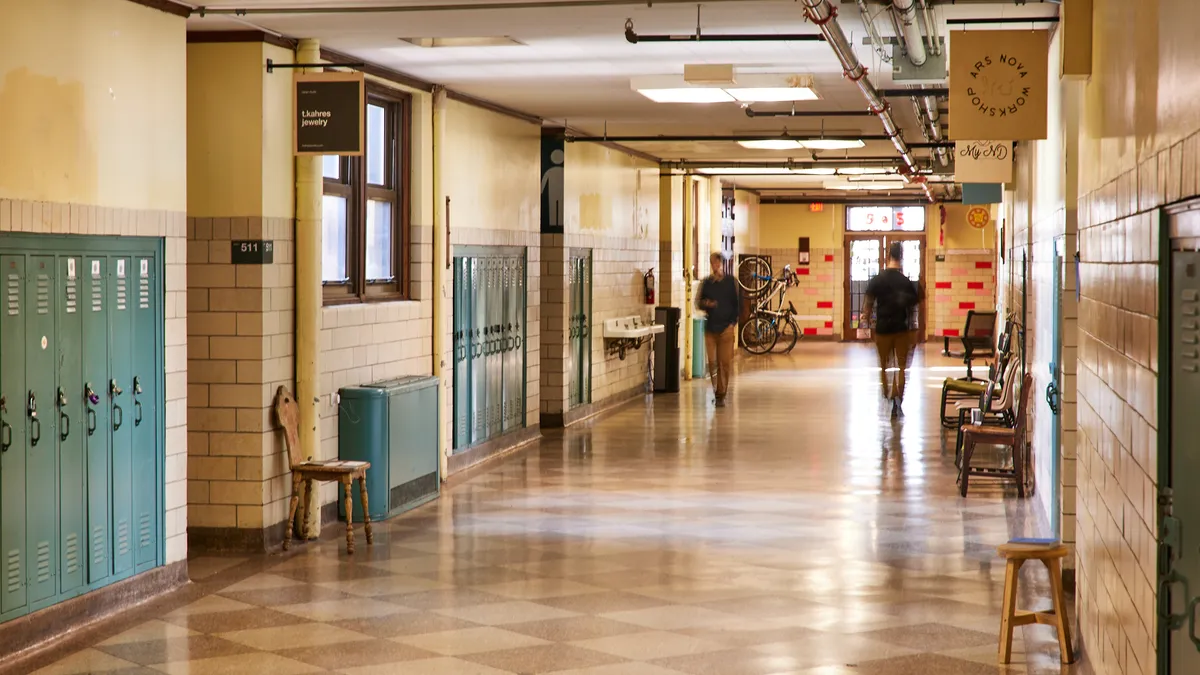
(630, 327)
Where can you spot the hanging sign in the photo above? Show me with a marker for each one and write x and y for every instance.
(554, 158)
(998, 85)
(983, 161)
(978, 217)
(329, 113)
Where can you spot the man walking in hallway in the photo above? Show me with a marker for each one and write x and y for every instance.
(893, 297)
(719, 297)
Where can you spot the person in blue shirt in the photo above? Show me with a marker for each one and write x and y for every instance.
(719, 297)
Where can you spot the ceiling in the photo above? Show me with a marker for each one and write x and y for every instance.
(573, 65)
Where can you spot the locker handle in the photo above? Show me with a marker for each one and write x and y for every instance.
(65, 420)
(91, 425)
(137, 413)
(35, 425)
(118, 417)
(5, 436)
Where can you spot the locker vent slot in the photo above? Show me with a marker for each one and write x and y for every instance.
(99, 545)
(12, 571)
(72, 553)
(14, 295)
(43, 294)
(97, 297)
(145, 530)
(72, 297)
(123, 537)
(143, 293)
(43, 562)
(122, 293)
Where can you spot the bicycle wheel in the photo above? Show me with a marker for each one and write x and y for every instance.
(754, 276)
(759, 335)
(789, 333)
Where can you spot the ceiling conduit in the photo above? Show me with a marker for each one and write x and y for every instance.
(751, 112)
(824, 15)
(906, 13)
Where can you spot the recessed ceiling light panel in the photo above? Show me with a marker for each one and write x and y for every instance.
(435, 43)
(772, 144)
(832, 144)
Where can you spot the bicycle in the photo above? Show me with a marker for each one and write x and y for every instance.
(767, 324)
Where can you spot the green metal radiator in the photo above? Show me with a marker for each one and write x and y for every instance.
(392, 425)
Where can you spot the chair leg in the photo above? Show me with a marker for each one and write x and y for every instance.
(346, 492)
(1066, 651)
(306, 532)
(1019, 467)
(1012, 574)
(297, 481)
(362, 486)
(965, 470)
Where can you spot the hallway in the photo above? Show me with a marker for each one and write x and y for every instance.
(799, 530)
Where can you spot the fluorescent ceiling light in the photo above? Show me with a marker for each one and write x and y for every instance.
(864, 170)
(772, 94)
(772, 144)
(686, 95)
(865, 185)
(831, 144)
(747, 170)
(432, 43)
(816, 171)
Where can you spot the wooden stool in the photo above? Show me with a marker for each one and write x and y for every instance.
(1016, 555)
(304, 472)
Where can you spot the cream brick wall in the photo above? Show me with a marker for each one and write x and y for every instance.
(58, 218)
(819, 295)
(964, 281)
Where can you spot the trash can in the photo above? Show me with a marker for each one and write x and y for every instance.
(666, 349)
(699, 364)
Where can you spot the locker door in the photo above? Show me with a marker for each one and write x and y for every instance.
(120, 322)
(506, 343)
(12, 435)
(69, 407)
(573, 331)
(495, 309)
(96, 417)
(478, 358)
(463, 345)
(41, 460)
(585, 322)
(514, 371)
(144, 400)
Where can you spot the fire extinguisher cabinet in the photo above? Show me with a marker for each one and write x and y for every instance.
(666, 349)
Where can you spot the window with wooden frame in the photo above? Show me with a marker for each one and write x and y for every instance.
(365, 208)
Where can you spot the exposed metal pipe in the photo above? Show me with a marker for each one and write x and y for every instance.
(934, 113)
(751, 112)
(457, 7)
(729, 139)
(935, 40)
(1006, 19)
(905, 12)
(824, 15)
(632, 37)
(916, 91)
(873, 32)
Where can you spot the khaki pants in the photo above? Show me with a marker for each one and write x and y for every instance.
(719, 350)
(900, 346)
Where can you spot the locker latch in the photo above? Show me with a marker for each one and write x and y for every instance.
(137, 405)
(92, 399)
(118, 414)
(35, 425)
(114, 389)
(5, 430)
(63, 419)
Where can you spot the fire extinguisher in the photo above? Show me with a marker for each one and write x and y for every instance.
(648, 284)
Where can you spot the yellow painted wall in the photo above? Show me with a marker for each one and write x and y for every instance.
(959, 233)
(603, 190)
(747, 221)
(783, 224)
(92, 104)
(277, 159)
(492, 169)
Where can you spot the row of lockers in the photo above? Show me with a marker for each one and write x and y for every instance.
(81, 415)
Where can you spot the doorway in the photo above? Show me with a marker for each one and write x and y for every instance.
(1178, 427)
(866, 256)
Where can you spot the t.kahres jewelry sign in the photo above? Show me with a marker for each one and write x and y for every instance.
(329, 113)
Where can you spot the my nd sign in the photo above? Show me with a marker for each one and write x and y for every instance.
(998, 83)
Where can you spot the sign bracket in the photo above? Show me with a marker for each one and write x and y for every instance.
(272, 66)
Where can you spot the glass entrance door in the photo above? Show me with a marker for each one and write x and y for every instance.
(866, 256)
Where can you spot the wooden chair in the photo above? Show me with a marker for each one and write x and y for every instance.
(1013, 437)
(305, 471)
(1017, 554)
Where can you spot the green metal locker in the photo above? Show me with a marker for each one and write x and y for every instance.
(96, 418)
(120, 355)
(463, 344)
(41, 460)
(69, 406)
(13, 439)
(479, 369)
(144, 395)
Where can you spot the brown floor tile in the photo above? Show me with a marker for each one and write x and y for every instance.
(175, 649)
(255, 663)
(290, 595)
(356, 654)
(602, 603)
(932, 637)
(286, 637)
(544, 659)
(926, 664)
(573, 628)
(408, 623)
(244, 619)
(728, 662)
(446, 598)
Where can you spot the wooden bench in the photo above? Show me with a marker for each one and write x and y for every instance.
(306, 471)
(1017, 554)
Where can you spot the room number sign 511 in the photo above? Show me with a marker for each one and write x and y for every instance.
(252, 252)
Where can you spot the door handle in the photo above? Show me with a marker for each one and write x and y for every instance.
(118, 417)
(1052, 396)
(35, 425)
(63, 418)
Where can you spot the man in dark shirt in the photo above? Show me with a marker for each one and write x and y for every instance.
(720, 298)
(893, 296)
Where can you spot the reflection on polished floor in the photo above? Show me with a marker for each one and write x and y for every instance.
(799, 530)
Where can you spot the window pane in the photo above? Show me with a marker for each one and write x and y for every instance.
(331, 166)
(379, 241)
(377, 145)
(333, 239)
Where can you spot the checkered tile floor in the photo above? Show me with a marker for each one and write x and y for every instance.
(798, 531)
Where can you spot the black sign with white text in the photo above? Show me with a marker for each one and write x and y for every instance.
(329, 113)
(252, 252)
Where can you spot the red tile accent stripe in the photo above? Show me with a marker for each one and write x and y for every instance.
(803, 271)
(825, 305)
(828, 258)
(944, 284)
(983, 265)
(810, 331)
(829, 324)
(966, 305)
(975, 285)
(951, 332)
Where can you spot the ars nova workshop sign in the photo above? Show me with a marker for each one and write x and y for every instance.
(998, 85)
(329, 113)
(983, 161)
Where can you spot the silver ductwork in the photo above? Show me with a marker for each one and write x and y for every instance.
(824, 15)
(905, 12)
(934, 113)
